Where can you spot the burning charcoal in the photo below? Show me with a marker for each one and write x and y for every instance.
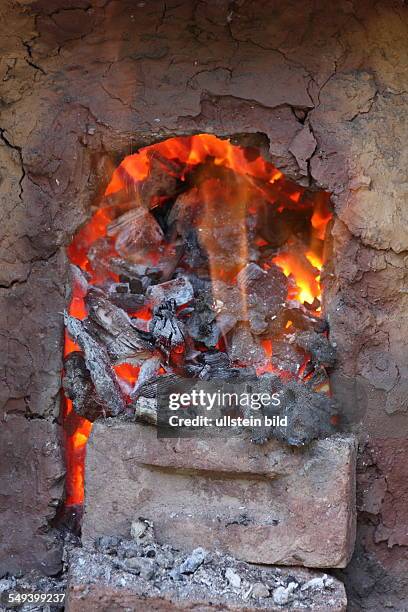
(308, 413)
(97, 363)
(276, 225)
(228, 304)
(144, 274)
(183, 222)
(120, 295)
(225, 323)
(79, 388)
(134, 271)
(313, 306)
(144, 398)
(286, 356)
(120, 288)
(216, 365)
(185, 212)
(265, 294)
(100, 254)
(136, 286)
(152, 387)
(297, 317)
(217, 211)
(194, 256)
(137, 235)
(279, 193)
(201, 323)
(179, 290)
(201, 285)
(223, 229)
(319, 380)
(112, 326)
(244, 348)
(142, 325)
(166, 329)
(79, 279)
(148, 370)
(319, 347)
(161, 181)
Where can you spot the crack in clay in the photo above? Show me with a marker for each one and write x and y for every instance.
(19, 151)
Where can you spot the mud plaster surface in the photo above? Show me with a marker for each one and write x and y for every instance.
(83, 83)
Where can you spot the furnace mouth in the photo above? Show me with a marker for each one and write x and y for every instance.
(201, 261)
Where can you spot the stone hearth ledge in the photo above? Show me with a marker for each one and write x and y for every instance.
(268, 504)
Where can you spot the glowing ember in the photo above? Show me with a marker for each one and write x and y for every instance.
(243, 210)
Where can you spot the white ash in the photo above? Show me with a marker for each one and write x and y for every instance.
(193, 561)
(233, 578)
(283, 595)
(151, 569)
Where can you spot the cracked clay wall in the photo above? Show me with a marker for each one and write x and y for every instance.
(85, 82)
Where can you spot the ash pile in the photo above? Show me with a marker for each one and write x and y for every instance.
(190, 280)
(137, 568)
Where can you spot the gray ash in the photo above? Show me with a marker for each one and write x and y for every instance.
(141, 566)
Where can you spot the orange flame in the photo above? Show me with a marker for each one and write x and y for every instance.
(304, 274)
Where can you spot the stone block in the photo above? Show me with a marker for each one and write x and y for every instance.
(264, 504)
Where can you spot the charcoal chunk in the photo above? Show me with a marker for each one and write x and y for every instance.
(183, 221)
(79, 279)
(79, 388)
(149, 370)
(112, 326)
(265, 294)
(144, 397)
(120, 294)
(153, 386)
(140, 272)
(228, 305)
(309, 414)
(244, 347)
(216, 365)
(161, 181)
(137, 235)
(287, 356)
(275, 224)
(100, 254)
(319, 347)
(178, 289)
(201, 322)
(166, 329)
(98, 365)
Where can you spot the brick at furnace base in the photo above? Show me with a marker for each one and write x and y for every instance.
(266, 504)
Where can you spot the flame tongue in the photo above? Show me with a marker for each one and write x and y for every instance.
(200, 207)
